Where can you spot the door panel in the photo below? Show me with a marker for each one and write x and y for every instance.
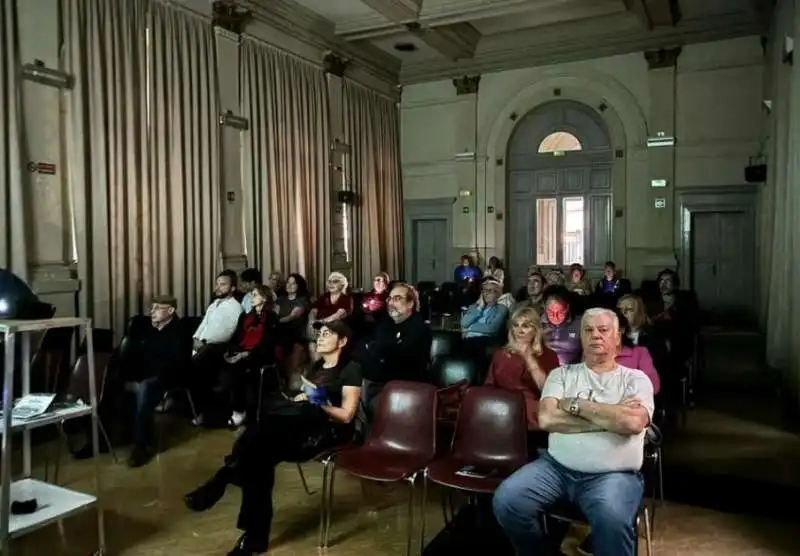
(522, 239)
(430, 251)
(723, 264)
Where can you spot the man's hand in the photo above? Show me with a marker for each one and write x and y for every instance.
(633, 402)
(564, 403)
(300, 398)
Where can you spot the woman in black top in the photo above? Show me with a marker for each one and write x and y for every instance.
(292, 308)
(290, 429)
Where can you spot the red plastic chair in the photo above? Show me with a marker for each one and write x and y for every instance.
(401, 443)
(491, 434)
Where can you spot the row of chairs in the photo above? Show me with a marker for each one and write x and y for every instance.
(401, 447)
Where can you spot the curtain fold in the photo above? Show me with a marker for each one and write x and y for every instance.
(372, 129)
(286, 163)
(181, 220)
(13, 213)
(105, 49)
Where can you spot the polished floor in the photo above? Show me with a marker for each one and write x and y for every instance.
(731, 477)
(145, 515)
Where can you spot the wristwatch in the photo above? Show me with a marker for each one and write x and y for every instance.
(574, 408)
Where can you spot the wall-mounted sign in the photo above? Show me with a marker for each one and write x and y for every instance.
(465, 210)
(231, 195)
(46, 168)
(490, 210)
(660, 203)
(658, 183)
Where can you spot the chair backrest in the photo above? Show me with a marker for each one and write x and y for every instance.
(78, 388)
(453, 369)
(491, 429)
(444, 342)
(405, 419)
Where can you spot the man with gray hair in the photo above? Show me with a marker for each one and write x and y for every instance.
(596, 413)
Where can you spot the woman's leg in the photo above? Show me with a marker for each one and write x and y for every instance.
(255, 513)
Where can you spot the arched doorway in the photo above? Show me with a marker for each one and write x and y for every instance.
(559, 195)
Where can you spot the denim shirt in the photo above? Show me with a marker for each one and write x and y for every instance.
(483, 322)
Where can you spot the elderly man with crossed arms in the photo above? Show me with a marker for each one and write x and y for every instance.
(596, 413)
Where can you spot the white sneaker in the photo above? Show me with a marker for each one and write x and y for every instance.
(198, 421)
(237, 418)
(165, 405)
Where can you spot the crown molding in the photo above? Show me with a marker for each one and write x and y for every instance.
(319, 32)
(575, 41)
(435, 14)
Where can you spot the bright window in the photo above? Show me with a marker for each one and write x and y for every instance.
(546, 231)
(573, 219)
(561, 225)
(559, 142)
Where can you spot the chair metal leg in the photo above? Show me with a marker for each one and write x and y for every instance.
(323, 509)
(62, 438)
(648, 534)
(258, 410)
(192, 407)
(309, 492)
(423, 508)
(660, 476)
(331, 478)
(410, 535)
(108, 441)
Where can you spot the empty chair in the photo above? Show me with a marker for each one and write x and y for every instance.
(444, 342)
(449, 370)
(490, 436)
(401, 443)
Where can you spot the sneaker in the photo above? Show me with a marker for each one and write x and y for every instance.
(198, 421)
(237, 418)
(165, 405)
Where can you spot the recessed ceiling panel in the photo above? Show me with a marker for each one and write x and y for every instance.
(339, 11)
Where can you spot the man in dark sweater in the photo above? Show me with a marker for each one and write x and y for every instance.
(400, 348)
(149, 367)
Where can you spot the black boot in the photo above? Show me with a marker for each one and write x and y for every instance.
(206, 496)
(249, 545)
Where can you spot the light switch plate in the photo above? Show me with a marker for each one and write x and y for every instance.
(660, 203)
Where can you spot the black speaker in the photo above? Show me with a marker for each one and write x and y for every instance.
(346, 197)
(755, 173)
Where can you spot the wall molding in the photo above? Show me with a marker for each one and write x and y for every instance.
(236, 261)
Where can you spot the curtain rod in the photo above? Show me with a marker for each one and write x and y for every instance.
(177, 5)
(277, 48)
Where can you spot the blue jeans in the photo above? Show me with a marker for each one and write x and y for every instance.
(609, 501)
(148, 394)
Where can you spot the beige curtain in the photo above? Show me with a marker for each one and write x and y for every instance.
(781, 227)
(372, 130)
(286, 156)
(13, 254)
(105, 49)
(181, 200)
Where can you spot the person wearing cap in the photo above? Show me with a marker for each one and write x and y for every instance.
(400, 348)
(486, 318)
(290, 429)
(152, 365)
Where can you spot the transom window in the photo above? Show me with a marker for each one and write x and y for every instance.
(570, 241)
(559, 142)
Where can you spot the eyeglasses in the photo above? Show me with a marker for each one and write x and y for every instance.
(397, 298)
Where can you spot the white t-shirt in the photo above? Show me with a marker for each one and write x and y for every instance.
(598, 452)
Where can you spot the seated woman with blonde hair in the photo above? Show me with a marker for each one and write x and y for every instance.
(523, 365)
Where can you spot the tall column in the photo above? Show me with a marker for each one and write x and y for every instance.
(341, 238)
(228, 24)
(468, 217)
(662, 66)
(51, 239)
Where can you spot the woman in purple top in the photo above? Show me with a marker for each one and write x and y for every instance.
(562, 332)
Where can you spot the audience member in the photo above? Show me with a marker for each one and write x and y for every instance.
(675, 316)
(211, 339)
(578, 283)
(293, 308)
(399, 349)
(636, 357)
(277, 284)
(596, 413)
(523, 365)
(374, 302)
(555, 278)
(249, 279)
(532, 295)
(639, 332)
(495, 270)
(255, 347)
(611, 287)
(562, 331)
(466, 271)
(289, 430)
(486, 318)
(151, 366)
